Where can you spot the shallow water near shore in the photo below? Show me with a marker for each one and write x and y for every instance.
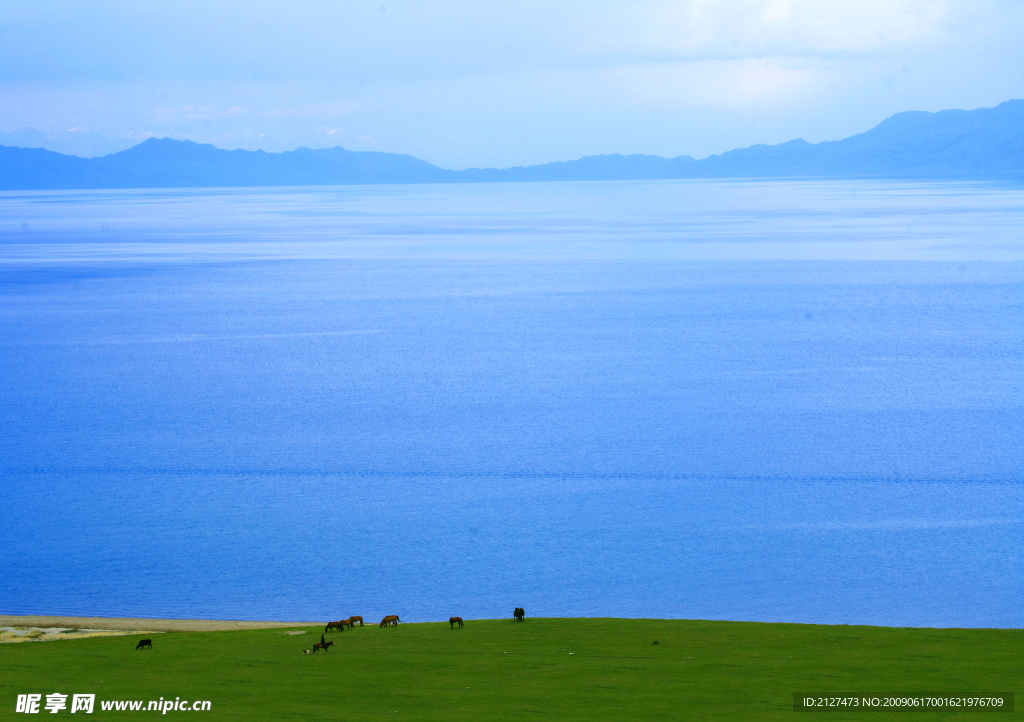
(770, 401)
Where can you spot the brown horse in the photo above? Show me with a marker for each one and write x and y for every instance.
(331, 626)
(356, 618)
(519, 613)
(389, 621)
(317, 646)
(456, 620)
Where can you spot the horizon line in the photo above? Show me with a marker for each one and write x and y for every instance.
(532, 165)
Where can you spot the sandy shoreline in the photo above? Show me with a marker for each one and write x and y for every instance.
(143, 625)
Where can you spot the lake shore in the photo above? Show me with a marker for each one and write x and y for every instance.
(142, 625)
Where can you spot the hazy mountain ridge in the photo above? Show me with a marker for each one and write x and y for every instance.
(988, 142)
(74, 141)
(980, 144)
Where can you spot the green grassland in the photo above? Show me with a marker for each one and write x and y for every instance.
(558, 669)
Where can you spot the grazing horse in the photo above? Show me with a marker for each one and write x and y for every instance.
(144, 644)
(389, 621)
(519, 613)
(356, 618)
(317, 646)
(456, 620)
(335, 625)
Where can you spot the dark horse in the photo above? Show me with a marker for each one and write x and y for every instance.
(519, 614)
(340, 625)
(456, 620)
(356, 618)
(317, 647)
(144, 644)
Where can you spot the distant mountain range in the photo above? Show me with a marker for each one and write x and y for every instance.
(987, 143)
(73, 141)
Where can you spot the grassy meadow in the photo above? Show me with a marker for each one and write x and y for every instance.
(558, 669)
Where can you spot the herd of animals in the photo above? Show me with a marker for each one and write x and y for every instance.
(391, 620)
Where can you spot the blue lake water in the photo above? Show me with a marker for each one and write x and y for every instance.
(775, 401)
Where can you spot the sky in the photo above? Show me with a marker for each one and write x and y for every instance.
(493, 84)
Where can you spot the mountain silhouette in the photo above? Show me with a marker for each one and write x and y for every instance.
(987, 143)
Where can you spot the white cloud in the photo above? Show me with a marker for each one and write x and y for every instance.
(742, 83)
